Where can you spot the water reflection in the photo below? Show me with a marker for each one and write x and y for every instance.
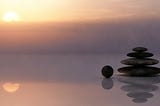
(11, 87)
(140, 89)
(107, 83)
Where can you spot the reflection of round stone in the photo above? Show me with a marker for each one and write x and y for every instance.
(107, 71)
(107, 83)
(140, 49)
(140, 55)
(136, 61)
(139, 71)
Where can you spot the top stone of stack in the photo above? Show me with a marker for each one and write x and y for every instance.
(140, 52)
(140, 49)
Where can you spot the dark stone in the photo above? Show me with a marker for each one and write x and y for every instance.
(140, 55)
(107, 71)
(139, 71)
(137, 61)
(140, 49)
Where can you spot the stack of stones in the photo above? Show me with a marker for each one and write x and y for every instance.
(139, 63)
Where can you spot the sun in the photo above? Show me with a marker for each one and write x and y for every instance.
(11, 17)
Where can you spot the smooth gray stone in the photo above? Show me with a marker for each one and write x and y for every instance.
(107, 71)
(140, 49)
(138, 61)
(140, 55)
(139, 71)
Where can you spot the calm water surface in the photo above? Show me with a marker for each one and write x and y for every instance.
(71, 80)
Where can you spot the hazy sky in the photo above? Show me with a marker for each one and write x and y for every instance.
(92, 37)
(75, 10)
(91, 26)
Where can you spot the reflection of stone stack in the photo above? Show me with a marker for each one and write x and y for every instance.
(139, 63)
(140, 89)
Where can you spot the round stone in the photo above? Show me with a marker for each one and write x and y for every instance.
(139, 61)
(139, 71)
(107, 71)
(140, 55)
(140, 49)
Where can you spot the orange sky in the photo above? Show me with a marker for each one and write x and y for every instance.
(75, 10)
(91, 25)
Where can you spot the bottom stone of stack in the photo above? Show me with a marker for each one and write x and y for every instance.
(139, 71)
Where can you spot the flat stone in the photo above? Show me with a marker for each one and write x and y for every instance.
(140, 55)
(138, 61)
(140, 49)
(139, 71)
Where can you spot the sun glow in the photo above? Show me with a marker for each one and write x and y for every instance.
(11, 17)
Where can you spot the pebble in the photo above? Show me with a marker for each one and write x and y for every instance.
(140, 55)
(107, 71)
(139, 71)
(142, 61)
(140, 49)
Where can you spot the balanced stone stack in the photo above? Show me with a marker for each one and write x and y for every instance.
(139, 64)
